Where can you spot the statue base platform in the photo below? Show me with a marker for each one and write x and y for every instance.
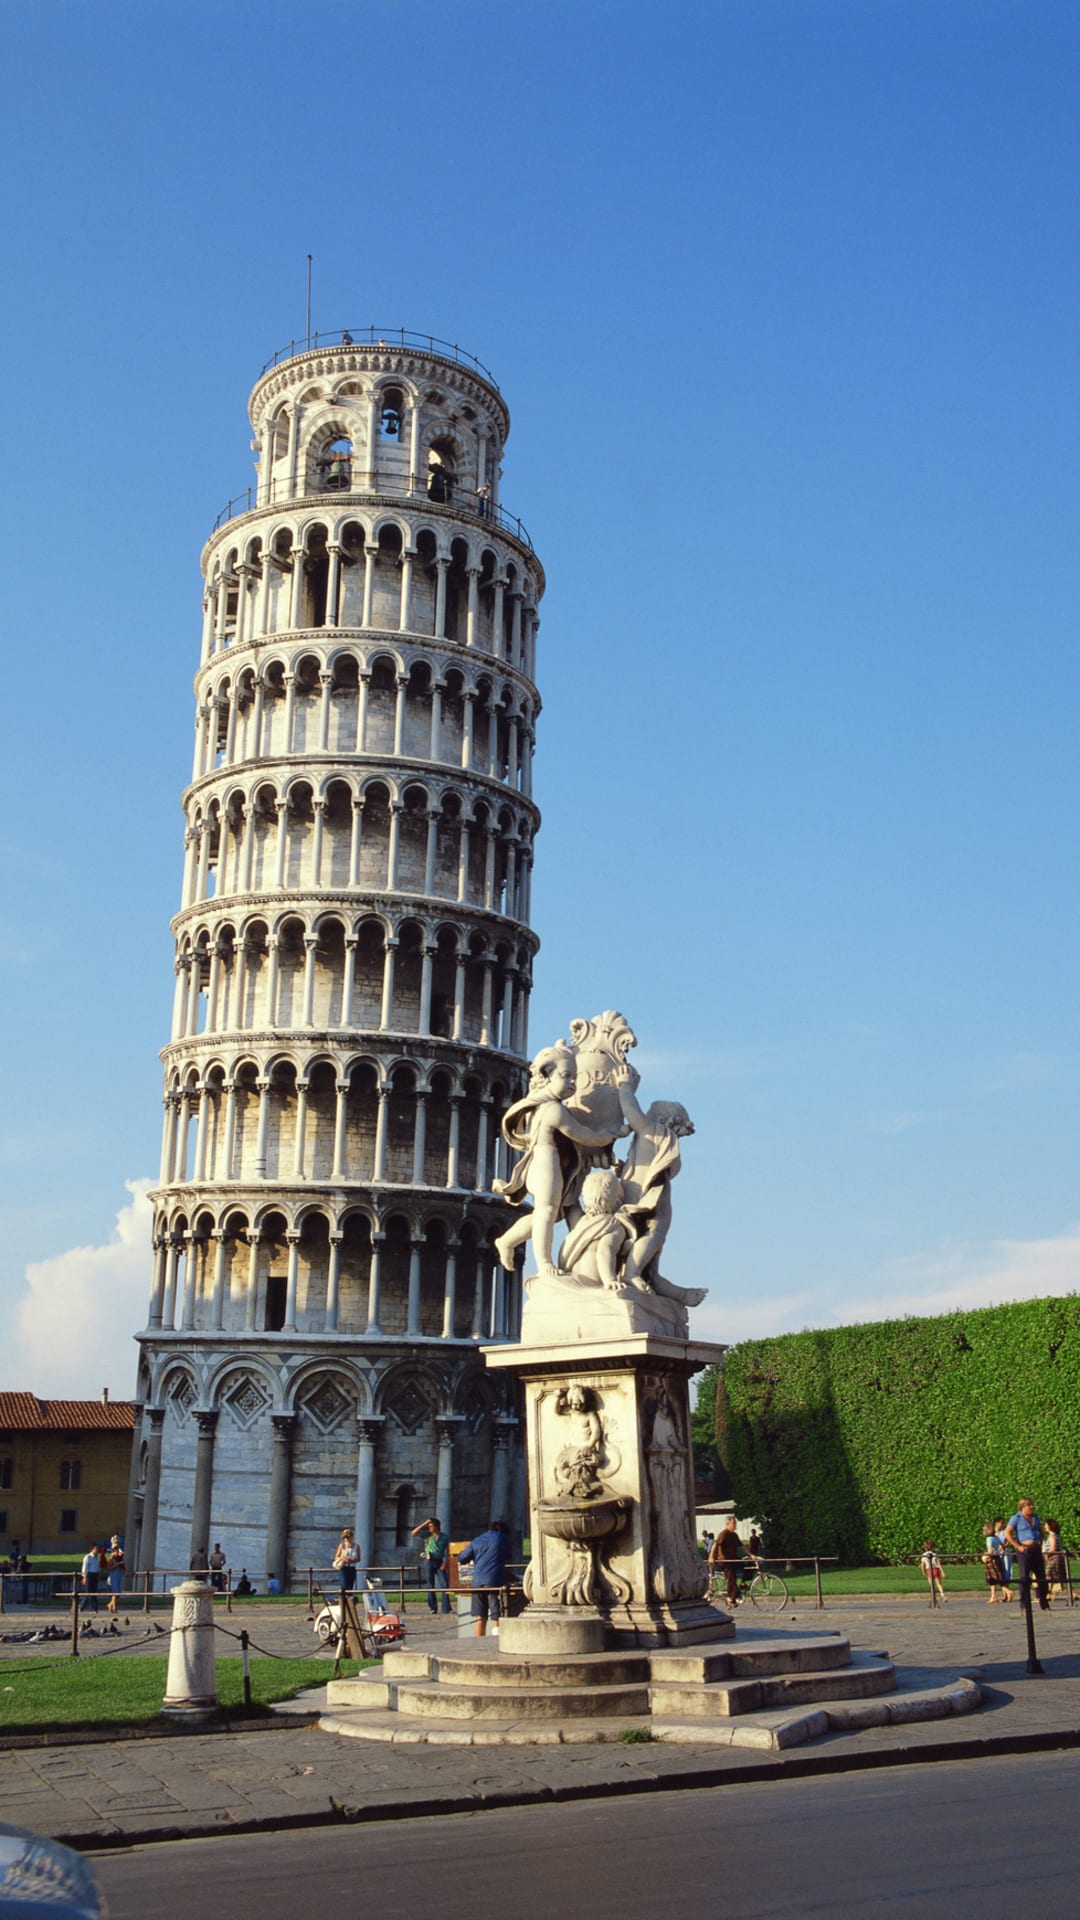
(573, 1631)
(614, 1563)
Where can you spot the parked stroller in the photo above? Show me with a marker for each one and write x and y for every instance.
(379, 1629)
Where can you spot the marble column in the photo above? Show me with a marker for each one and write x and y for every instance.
(333, 1283)
(413, 1326)
(450, 1290)
(368, 1430)
(151, 1489)
(251, 1302)
(134, 1498)
(204, 1480)
(446, 1426)
(217, 1301)
(277, 1524)
(293, 1239)
(157, 1289)
(374, 1277)
(172, 1258)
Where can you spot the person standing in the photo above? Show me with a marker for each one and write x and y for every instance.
(1006, 1553)
(487, 1555)
(345, 1559)
(91, 1577)
(115, 1572)
(993, 1567)
(726, 1552)
(436, 1553)
(1024, 1534)
(934, 1573)
(218, 1563)
(1054, 1555)
(199, 1565)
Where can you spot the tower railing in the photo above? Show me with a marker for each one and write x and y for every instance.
(382, 338)
(467, 501)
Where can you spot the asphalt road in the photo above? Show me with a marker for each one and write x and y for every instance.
(951, 1841)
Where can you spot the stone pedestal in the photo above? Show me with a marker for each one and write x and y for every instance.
(611, 1497)
(191, 1683)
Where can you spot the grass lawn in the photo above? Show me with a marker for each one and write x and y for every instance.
(847, 1580)
(100, 1691)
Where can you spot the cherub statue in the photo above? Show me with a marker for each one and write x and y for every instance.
(550, 1139)
(647, 1172)
(577, 1467)
(595, 1247)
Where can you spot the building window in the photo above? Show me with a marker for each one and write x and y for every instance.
(405, 1501)
(69, 1519)
(3, 1520)
(336, 466)
(393, 408)
(275, 1302)
(70, 1476)
(7, 1468)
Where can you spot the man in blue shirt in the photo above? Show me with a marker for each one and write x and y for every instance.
(1024, 1534)
(488, 1554)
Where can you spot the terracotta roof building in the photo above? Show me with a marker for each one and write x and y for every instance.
(64, 1468)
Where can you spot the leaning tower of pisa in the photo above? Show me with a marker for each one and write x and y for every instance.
(353, 961)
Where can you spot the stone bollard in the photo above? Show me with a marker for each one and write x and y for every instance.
(191, 1685)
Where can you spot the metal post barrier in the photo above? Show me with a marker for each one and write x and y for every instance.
(3, 1577)
(146, 1580)
(74, 1619)
(246, 1660)
(228, 1589)
(311, 1593)
(817, 1584)
(1034, 1665)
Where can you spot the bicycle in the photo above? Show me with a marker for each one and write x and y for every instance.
(763, 1589)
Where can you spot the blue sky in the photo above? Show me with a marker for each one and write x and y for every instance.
(783, 298)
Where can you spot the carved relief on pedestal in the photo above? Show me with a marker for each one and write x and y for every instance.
(578, 1507)
(676, 1570)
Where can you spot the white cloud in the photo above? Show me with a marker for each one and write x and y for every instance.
(948, 1279)
(952, 1279)
(755, 1319)
(1015, 1072)
(75, 1321)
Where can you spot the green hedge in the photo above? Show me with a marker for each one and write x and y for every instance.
(866, 1441)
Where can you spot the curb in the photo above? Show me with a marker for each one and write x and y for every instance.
(95, 1840)
(168, 1730)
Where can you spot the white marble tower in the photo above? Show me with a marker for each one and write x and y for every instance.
(353, 961)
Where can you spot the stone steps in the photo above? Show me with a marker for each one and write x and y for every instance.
(769, 1732)
(864, 1677)
(497, 1670)
(767, 1690)
(432, 1700)
(750, 1659)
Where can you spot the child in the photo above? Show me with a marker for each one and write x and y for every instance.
(935, 1574)
(374, 1603)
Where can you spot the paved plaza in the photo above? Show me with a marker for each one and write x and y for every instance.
(103, 1791)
